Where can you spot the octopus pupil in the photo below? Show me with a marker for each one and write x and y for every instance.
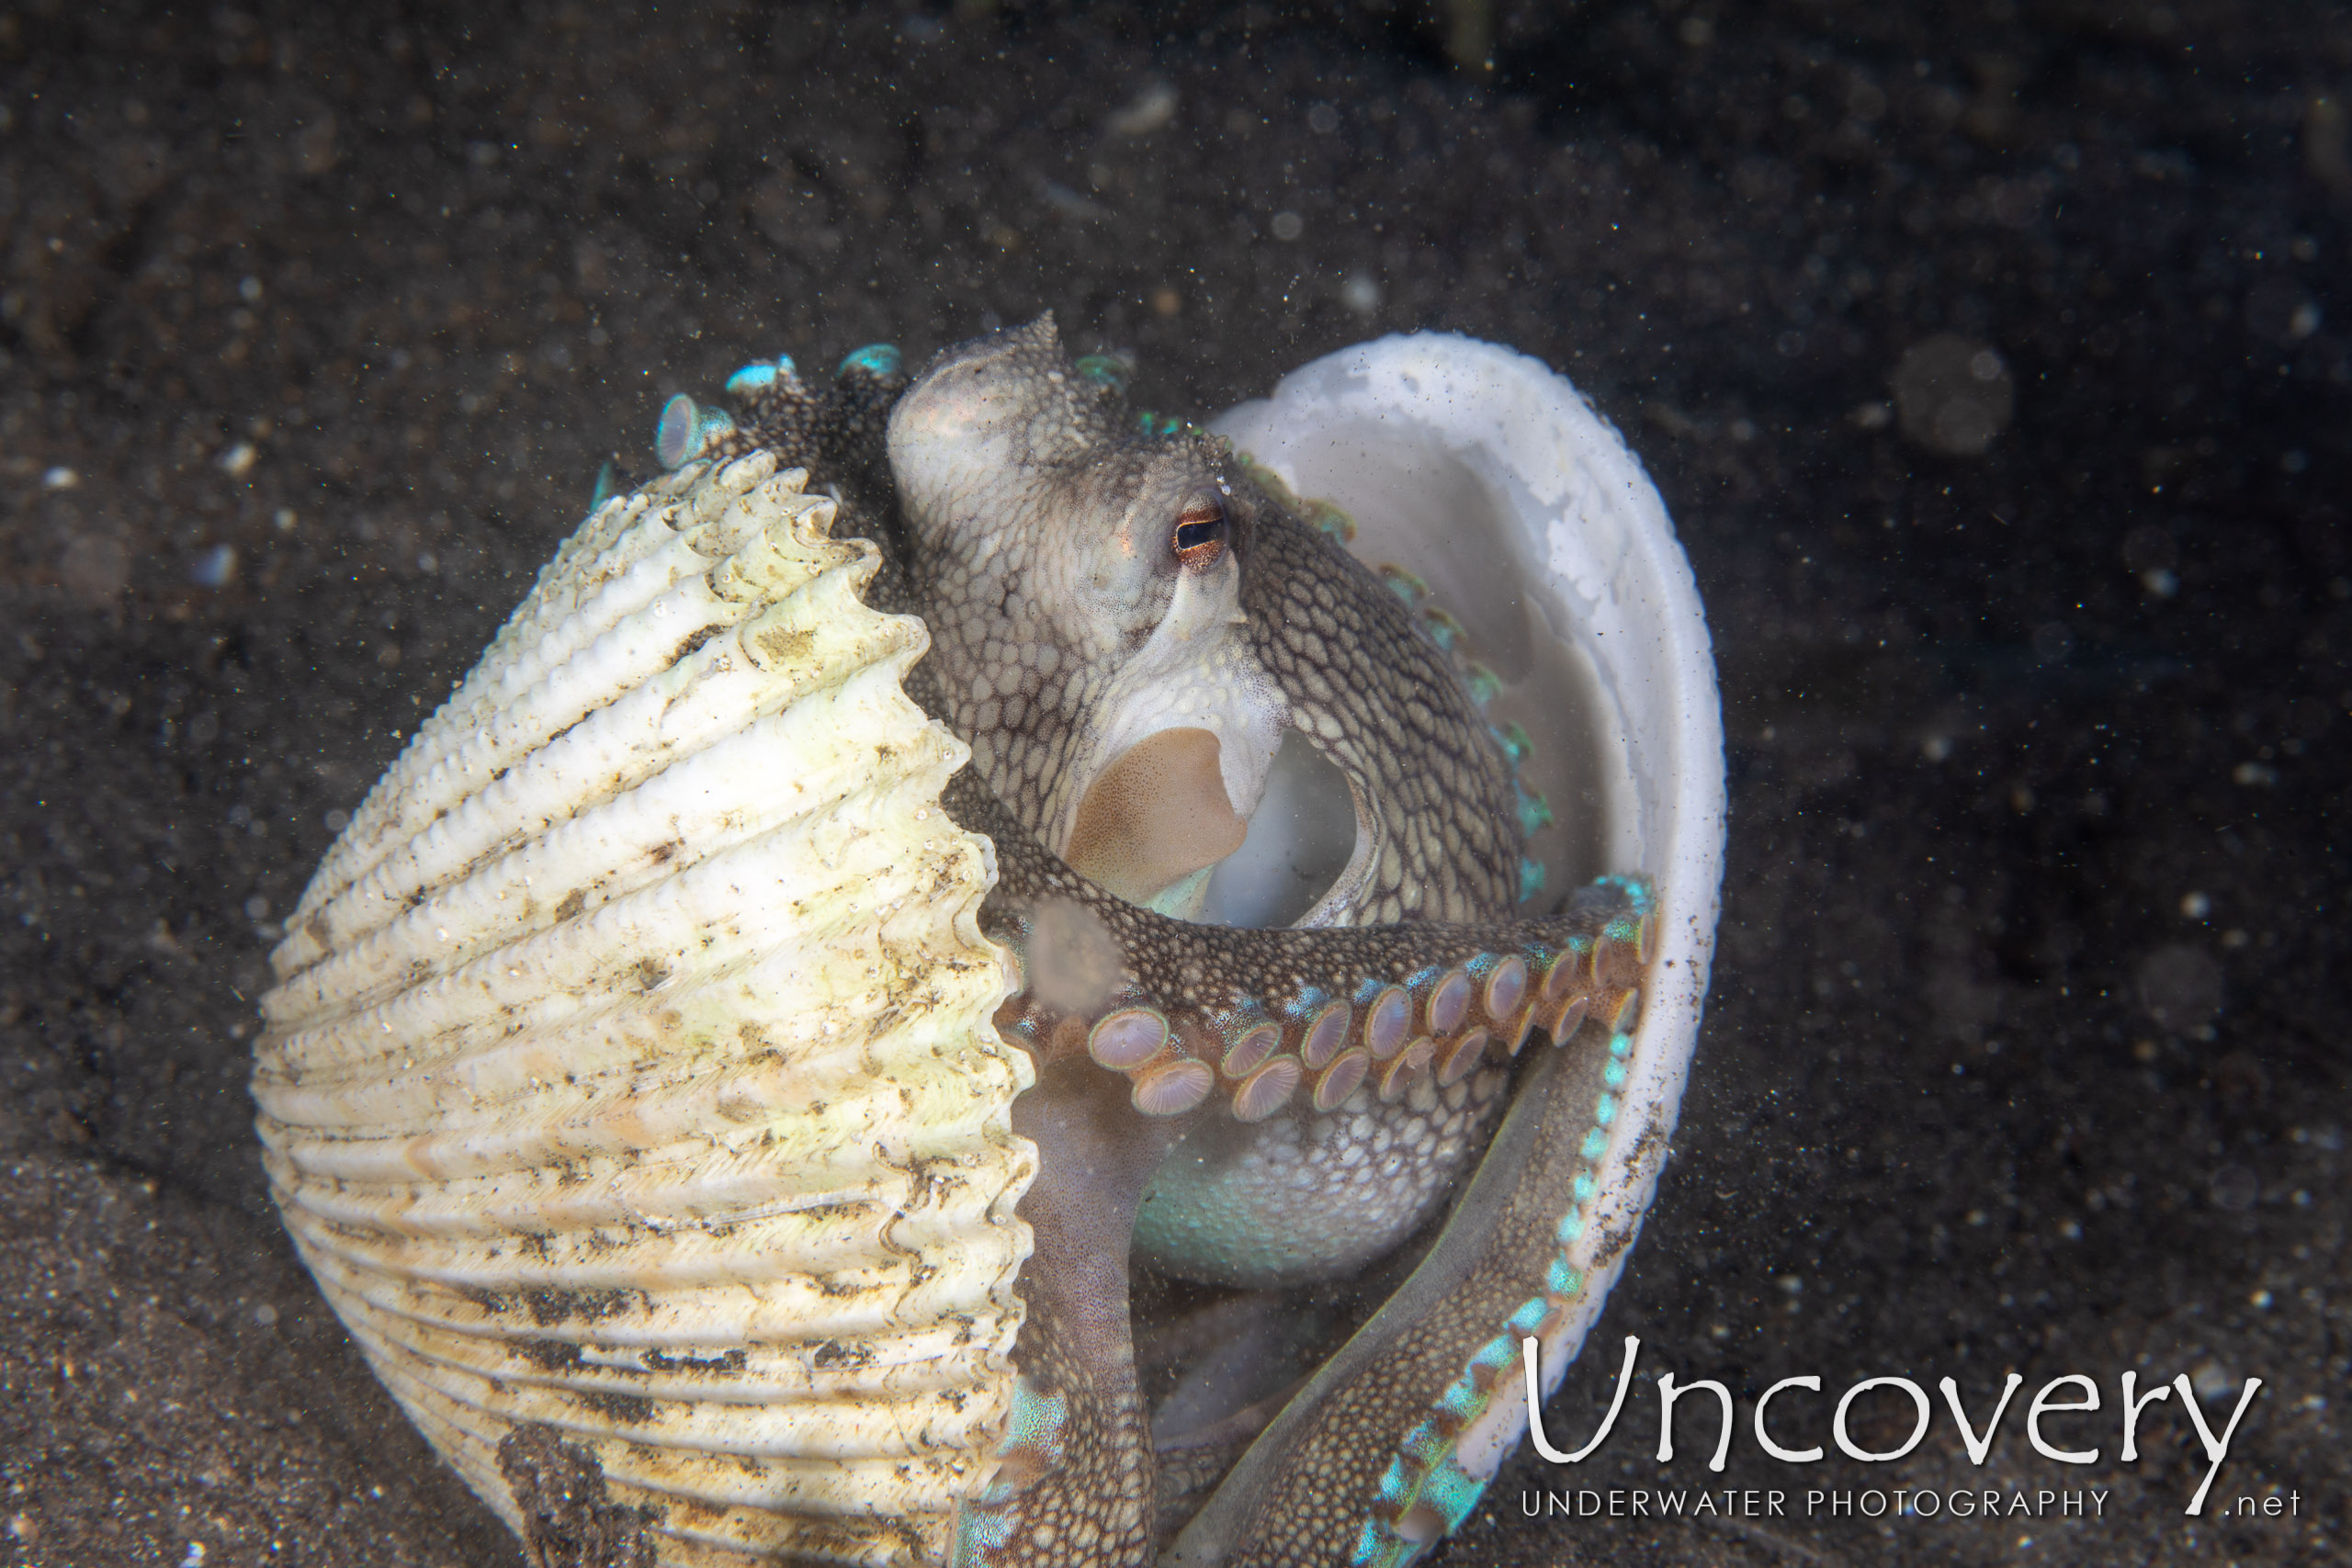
(1200, 534)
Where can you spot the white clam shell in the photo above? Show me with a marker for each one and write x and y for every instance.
(1489, 477)
(630, 1067)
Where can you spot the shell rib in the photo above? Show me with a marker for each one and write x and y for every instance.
(629, 1068)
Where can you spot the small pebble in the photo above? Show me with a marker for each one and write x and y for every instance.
(1953, 395)
(1149, 109)
(2235, 1188)
(215, 567)
(2210, 1381)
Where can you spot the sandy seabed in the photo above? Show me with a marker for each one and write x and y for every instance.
(1994, 361)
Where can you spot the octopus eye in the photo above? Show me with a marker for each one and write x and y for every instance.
(1200, 530)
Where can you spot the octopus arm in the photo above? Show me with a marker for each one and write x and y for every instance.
(1140, 1025)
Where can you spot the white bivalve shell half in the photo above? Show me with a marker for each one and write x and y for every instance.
(1491, 479)
(629, 1068)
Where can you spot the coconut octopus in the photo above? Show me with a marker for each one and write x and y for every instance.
(1126, 625)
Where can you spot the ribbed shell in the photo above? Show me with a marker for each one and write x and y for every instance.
(630, 1067)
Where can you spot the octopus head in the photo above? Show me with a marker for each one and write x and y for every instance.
(1082, 584)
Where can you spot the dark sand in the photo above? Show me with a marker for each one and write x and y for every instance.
(2025, 1048)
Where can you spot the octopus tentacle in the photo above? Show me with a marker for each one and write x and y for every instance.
(1258, 1017)
(1391, 1444)
(1079, 1464)
(838, 427)
(1076, 1479)
(1436, 806)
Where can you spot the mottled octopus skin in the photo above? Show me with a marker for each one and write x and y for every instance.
(1417, 982)
(1024, 499)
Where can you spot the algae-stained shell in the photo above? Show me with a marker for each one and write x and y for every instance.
(630, 1067)
(1490, 477)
